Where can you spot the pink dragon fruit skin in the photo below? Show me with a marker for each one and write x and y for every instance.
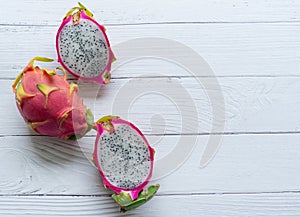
(49, 104)
(83, 47)
(108, 125)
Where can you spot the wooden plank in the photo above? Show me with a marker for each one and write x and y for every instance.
(34, 12)
(283, 205)
(244, 163)
(182, 105)
(230, 50)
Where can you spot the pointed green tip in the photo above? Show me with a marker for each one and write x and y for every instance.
(87, 12)
(42, 59)
(45, 89)
(126, 203)
(106, 119)
(81, 5)
(21, 94)
(106, 123)
(17, 80)
(73, 87)
(89, 117)
(62, 70)
(49, 72)
(89, 120)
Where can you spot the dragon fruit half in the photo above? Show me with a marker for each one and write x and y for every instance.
(83, 48)
(49, 104)
(125, 161)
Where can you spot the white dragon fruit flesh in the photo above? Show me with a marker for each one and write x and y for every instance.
(83, 48)
(125, 161)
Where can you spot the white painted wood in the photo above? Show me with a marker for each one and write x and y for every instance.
(253, 49)
(251, 104)
(230, 50)
(244, 163)
(266, 205)
(50, 12)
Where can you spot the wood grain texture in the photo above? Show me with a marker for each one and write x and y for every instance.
(50, 12)
(264, 205)
(244, 163)
(251, 104)
(231, 50)
(252, 48)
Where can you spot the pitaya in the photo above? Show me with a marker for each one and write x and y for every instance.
(125, 161)
(49, 104)
(83, 48)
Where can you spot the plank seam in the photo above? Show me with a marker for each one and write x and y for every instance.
(187, 134)
(183, 77)
(164, 23)
(159, 194)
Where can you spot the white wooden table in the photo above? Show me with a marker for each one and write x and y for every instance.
(253, 48)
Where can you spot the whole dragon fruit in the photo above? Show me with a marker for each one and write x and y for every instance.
(49, 104)
(125, 161)
(83, 48)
